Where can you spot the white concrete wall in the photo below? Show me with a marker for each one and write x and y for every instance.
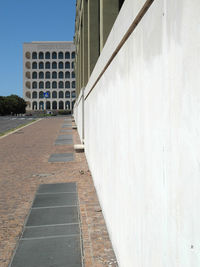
(142, 136)
(79, 113)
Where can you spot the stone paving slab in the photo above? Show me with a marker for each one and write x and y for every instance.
(56, 252)
(65, 137)
(49, 216)
(65, 157)
(51, 230)
(57, 188)
(64, 142)
(51, 200)
(68, 125)
(66, 130)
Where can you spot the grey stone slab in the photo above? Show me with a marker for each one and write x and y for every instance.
(65, 137)
(49, 252)
(66, 130)
(67, 125)
(57, 188)
(53, 200)
(49, 216)
(46, 231)
(65, 157)
(64, 142)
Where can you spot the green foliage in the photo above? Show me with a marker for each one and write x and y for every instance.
(64, 112)
(12, 104)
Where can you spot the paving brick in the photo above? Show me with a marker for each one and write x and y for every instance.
(24, 166)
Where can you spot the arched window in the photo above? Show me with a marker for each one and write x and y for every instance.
(54, 65)
(41, 55)
(61, 94)
(54, 75)
(60, 65)
(72, 64)
(67, 94)
(48, 95)
(41, 85)
(28, 94)
(61, 106)
(34, 94)
(41, 75)
(41, 65)
(54, 94)
(34, 75)
(67, 84)
(47, 55)
(73, 74)
(67, 65)
(47, 75)
(47, 85)
(54, 105)
(34, 65)
(34, 85)
(73, 94)
(41, 94)
(54, 85)
(28, 55)
(67, 55)
(73, 54)
(73, 84)
(48, 105)
(41, 105)
(47, 65)
(28, 74)
(28, 85)
(61, 85)
(34, 105)
(60, 75)
(54, 55)
(34, 55)
(67, 74)
(28, 65)
(60, 55)
(67, 105)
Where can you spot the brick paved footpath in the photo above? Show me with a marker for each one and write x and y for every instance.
(24, 166)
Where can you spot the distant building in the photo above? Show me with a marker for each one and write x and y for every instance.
(48, 75)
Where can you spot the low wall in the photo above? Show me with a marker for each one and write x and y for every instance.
(142, 135)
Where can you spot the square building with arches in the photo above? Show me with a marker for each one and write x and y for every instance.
(48, 75)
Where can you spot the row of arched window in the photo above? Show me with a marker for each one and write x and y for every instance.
(48, 65)
(54, 105)
(48, 75)
(53, 85)
(48, 55)
(54, 94)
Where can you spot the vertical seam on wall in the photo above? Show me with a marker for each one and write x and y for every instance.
(130, 30)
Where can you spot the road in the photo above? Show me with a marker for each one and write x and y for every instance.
(10, 122)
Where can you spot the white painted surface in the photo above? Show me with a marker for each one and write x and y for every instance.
(142, 138)
(78, 114)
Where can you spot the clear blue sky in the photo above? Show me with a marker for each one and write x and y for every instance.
(26, 21)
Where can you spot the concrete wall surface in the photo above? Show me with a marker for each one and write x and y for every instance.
(142, 137)
(78, 114)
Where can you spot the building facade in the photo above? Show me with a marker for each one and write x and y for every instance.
(94, 21)
(48, 75)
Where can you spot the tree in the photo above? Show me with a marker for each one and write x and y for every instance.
(12, 104)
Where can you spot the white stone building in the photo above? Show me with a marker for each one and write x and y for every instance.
(48, 75)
